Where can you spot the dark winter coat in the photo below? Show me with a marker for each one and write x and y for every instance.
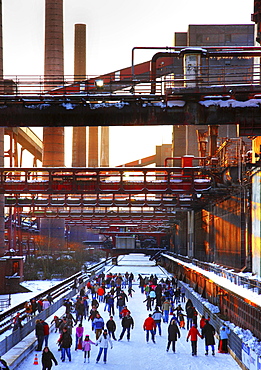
(39, 329)
(47, 358)
(188, 304)
(121, 301)
(127, 322)
(190, 312)
(208, 333)
(111, 326)
(173, 331)
(65, 340)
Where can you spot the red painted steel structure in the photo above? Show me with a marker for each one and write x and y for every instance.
(162, 64)
(175, 180)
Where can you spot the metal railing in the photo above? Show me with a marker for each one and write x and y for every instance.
(234, 341)
(58, 292)
(245, 280)
(215, 72)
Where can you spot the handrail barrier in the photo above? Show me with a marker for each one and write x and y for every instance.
(60, 291)
(246, 280)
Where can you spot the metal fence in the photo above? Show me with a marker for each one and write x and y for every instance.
(11, 340)
(241, 279)
(234, 342)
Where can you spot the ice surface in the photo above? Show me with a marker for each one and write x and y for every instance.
(137, 354)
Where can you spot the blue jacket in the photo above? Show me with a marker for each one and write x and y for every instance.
(98, 323)
(224, 332)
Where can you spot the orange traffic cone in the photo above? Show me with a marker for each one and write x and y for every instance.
(35, 360)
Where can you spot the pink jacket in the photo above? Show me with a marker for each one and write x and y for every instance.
(86, 345)
(79, 331)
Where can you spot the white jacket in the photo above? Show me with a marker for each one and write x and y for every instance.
(104, 342)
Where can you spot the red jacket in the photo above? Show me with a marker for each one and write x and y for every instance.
(124, 312)
(149, 324)
(100, 291)
(46, 328)
(193, 333)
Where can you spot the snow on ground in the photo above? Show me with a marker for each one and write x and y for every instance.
(35, 287)
(137, 354)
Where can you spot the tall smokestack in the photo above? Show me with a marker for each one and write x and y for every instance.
(53, 154)
(53, 56)
(2, 198)
(79, 133)
(52, 231)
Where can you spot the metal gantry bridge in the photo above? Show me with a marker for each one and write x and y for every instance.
(222, 88)
(106, 194)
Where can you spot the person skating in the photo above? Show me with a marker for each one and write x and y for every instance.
(65, 342)
(111, 326)
(150, 326)
(98, 325)
(39, 333)
(78, 336)
(157, 316)
(223, 339)
(48, 359)
(57, 321)
(193, 334)
(86, 347)
(208, 333)
(127, 323)
(165, 308)
(104, 341)
(173, 334)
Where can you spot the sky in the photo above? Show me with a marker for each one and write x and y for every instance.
(113, 29)
(137, 354)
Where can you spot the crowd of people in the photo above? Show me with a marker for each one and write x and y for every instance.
(165, 301)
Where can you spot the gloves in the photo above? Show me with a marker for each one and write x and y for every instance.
(187, 339)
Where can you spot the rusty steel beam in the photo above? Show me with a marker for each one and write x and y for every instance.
(196, 110)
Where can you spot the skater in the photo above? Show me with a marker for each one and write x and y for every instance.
(181, 319)
(65, 342)
(157, 316)
(150, 326)
(111, 326)
(193, 334)
(130, 290)
(208, 333)
(86, 347)
(223, 339)
(47, 358)
(98, 325)
(127, 323)
(57, 322)
(165, 308)
(173, 334)
(78, 337)
(104, 341)
(39, 333)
